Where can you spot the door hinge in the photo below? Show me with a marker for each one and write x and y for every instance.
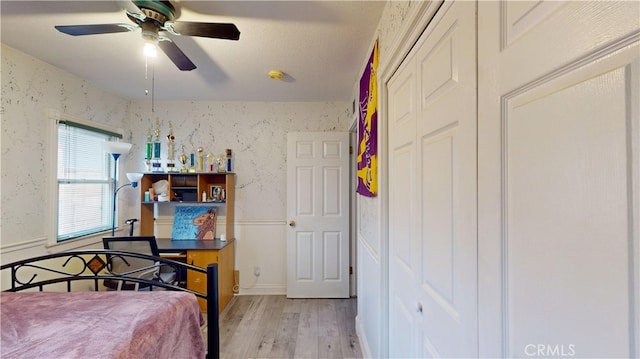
(350, 270)
(350, 150)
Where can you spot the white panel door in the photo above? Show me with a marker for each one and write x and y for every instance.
(559, 179)
(318, 215)
(404, 243)
(432, 203)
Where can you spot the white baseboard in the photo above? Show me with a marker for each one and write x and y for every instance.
(362, 338)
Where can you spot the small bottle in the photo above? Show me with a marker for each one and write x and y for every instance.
(204, 196)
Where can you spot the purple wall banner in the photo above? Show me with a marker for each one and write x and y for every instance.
(367, 161)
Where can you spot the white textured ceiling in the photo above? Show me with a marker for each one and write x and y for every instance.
(320, 45)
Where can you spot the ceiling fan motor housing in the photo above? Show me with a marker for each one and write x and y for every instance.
(160, 11)
(156, 14)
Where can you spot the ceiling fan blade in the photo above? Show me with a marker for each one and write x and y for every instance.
(77, 30)
(205, 29)
(176, 55)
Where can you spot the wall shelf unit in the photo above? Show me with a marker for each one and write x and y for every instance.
(186, 188)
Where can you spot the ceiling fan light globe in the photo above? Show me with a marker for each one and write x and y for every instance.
(150, 50)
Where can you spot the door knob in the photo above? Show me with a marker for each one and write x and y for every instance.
(292, 223)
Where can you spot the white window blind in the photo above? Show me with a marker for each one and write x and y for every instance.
(85, 192)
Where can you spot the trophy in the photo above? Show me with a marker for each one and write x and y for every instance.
(200, 159)
(192, 160)
(171, 150)
(222, 167)
(157, 162)
(211, 159)
(184, 159)
(148, 151)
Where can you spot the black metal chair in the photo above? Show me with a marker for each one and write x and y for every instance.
(141, 268)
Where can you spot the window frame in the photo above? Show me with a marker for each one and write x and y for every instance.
(55, 118)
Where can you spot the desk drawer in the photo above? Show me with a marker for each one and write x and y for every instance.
(198, 281)
(202, 258)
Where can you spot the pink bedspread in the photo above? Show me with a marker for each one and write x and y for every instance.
(124, 324)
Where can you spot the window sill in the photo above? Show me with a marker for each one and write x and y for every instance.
(93, 241)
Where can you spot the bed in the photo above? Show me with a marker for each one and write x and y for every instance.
(56, 306)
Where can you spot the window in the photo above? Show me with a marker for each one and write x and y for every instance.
(85, 194)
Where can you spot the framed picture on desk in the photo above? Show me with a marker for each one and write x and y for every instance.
(216, 193)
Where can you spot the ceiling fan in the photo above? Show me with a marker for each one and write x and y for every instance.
(156, 17)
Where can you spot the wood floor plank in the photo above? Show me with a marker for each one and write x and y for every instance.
(230, 318)
(329, 347)
(328, 324)
(349, 343)
(307, 336)
(284, 345)
(236, 347)
(293, 305)
(260, 345)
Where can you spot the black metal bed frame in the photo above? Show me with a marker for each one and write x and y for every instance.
(94, 265)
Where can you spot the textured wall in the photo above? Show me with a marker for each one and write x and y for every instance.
(30, 88)
(255, 131)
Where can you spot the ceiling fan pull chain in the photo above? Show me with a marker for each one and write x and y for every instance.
(153, 87)
(146, 74)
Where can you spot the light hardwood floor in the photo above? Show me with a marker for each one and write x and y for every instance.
(276, 327)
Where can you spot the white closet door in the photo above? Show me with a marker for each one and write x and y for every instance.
(558, 179)
(433, 240)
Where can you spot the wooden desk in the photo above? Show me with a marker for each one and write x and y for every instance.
(200, 253)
